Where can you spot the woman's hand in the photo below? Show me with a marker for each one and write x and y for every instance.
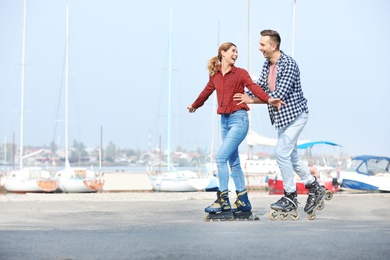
(191, 109)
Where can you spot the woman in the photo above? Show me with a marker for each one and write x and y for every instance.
(227, 79)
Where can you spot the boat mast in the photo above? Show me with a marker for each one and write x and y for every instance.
(213, 113)
(249, 39)
(13, 151)
(293, 29)
(101, 148)
(22, 89)
(169, 89)
(5, 148)
(67, 165)
(249, 69)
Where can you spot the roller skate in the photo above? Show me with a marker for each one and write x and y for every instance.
(286, 206)
(220, 209)
(315, 199)
(242, 207)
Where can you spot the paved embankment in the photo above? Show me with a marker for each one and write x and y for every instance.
(150, 225)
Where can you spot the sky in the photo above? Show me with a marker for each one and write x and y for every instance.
(119, 69)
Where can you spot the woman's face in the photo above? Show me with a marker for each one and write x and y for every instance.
(230, 56)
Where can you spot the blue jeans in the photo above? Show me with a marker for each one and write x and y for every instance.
(287, 153)
(234, 128)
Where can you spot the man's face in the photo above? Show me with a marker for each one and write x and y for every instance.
(267, 47)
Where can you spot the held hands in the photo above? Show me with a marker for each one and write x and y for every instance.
(244, 98)
(191, 109)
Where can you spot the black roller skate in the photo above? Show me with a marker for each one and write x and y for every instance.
(286, 206)
(242, 208)
(220, 209)
(315, 199)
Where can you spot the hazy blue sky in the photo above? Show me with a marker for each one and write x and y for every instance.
(119, 68)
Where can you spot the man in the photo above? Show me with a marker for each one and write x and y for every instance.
(280, 78)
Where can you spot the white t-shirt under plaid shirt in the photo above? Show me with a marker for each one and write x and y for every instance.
(288, 89)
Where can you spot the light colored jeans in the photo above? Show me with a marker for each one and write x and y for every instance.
(234, 128)
(287, 153)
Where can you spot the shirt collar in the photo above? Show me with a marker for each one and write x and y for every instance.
(232, 70)
(279, 61)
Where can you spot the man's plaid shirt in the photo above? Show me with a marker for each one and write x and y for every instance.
(288, 89)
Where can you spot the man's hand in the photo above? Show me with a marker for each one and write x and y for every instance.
(243, 98)
(276, 102)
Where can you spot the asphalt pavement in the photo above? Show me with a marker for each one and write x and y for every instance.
(139, 225)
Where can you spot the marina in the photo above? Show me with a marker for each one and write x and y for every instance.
(70, 68)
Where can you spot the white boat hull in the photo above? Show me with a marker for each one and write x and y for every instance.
(214, 184)
(29, 180)
(355, 181)
(77, 185)
(25, 186)
(181, 181)
(79, 180)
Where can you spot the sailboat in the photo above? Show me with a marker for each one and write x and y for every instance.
(27, 179)
(174, 180)
(72, 179)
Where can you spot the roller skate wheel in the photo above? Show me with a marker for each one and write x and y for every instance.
(328, 195)
(295, 216)
(311, 216)
(321, 205)
(284, 216)
(227, 218)
(207, 219)
(273, 215)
